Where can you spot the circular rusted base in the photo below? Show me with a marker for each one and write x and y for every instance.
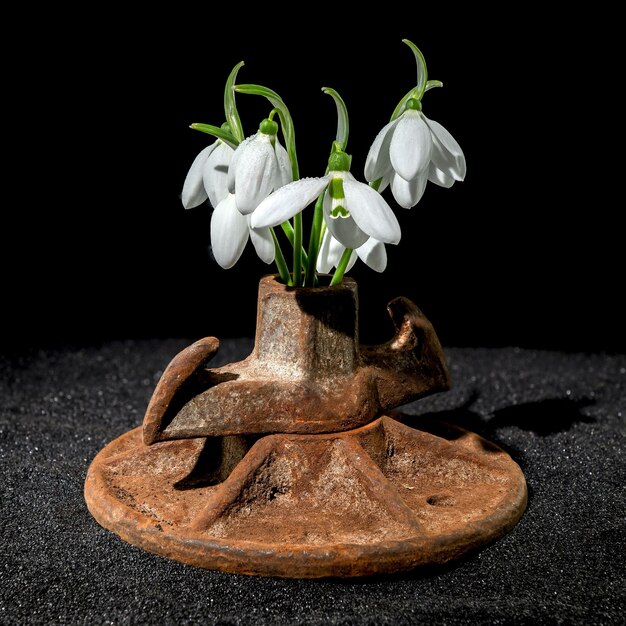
(383, 498)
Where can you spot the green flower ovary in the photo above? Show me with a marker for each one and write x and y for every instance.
(268, 127)
(339, 162)
(413, 104)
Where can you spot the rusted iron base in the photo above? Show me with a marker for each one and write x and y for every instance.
(382, 498)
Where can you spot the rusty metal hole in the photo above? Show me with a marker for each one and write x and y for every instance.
(274, 492)
(441, 500)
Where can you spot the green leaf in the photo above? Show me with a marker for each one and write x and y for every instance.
(230, 107)
(413, 93)
(431, 84)
(422, 72)
(285, 120)
(341, 267)
(283, 270)
(216, 131)
(343, 123)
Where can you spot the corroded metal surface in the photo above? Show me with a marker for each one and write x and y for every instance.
(282, 465)
(306, 374)
(183, 377)
(383, 498)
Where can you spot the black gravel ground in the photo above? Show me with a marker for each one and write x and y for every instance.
(561, 416)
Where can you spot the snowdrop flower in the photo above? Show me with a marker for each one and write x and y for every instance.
(411, 150)
(372, 253)
(230, 231)
(353, 211)
(259, 165)
(208, 175)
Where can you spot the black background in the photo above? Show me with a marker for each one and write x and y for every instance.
(97, 245)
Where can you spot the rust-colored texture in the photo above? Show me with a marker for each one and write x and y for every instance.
(286, 463)
(306, 374)
(382, 498)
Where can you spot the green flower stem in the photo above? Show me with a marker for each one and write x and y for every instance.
(297, 249)
(285, 120)
(341, 268)
(397, 112)
(422, 70)
(423, 85)
(289, 232)
(375, 184)
(300, 257)
(323, 231)
(281, 264)
(431, 84)
(315, 240)
(230, 108)
(318, 226)
(343, 123)
(218, 133)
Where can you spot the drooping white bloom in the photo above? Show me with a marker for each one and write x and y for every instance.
(372, 253)
(208, 175)
(259, 165)
(230, 231)
(411, 150)
(330, 254)
(353, 211)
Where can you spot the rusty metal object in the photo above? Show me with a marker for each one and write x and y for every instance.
(306, 374)
(282, 465)
(383, 498)
(181, 379)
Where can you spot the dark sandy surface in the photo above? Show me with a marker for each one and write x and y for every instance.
(561, 416)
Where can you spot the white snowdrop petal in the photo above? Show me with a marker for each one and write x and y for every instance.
(445, 137)
(234, 160)
(284, 173)
(254, 174)
(384, 183)
(411, 145)
(335, 251)
(343, 229)
(331, 253)
(448, 149)
(370, 212)
(194, 192)
(324, 263)
(377, 161)
(352, 261)
(374, 254)
(435, 175)
(444, 161)
(263, 242)
(229, 232)
(215, 173)
(285, 202)
(408, 193)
